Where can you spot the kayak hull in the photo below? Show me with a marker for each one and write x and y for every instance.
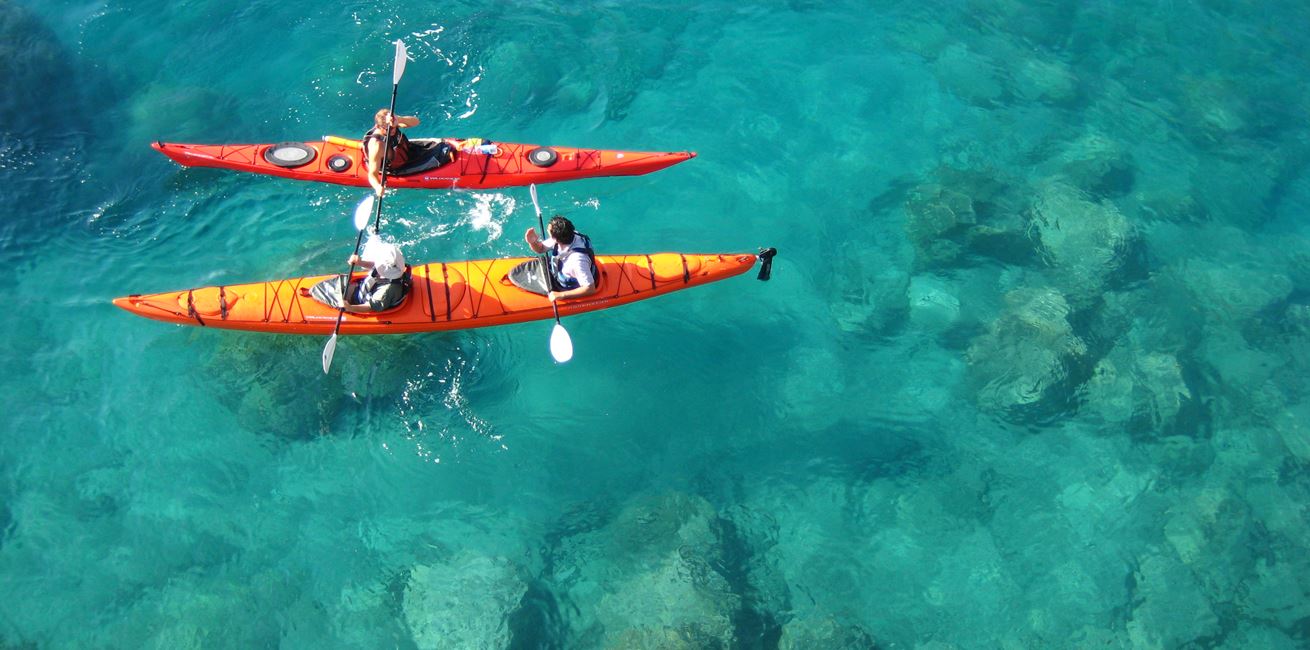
(445, 296)
(340, 161)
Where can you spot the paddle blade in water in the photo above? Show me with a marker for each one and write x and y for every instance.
(532, 189)
(401, 55)
(561, 346)
(329, 350)
(363, 211)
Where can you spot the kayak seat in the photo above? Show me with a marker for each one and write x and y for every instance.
(527, 276)
(425, 155)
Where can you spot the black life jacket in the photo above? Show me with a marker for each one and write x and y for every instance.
(399, 153)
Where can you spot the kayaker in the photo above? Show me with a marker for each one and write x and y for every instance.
(572, 259)
(385, 285)
(375, 145)
(383, 288)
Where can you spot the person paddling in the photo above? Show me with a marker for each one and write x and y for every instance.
(572, 259)
(385, 286)
(375, 145)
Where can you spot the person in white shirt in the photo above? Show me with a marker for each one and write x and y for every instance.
(572, 259)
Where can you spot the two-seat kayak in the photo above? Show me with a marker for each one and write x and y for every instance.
(443, 296)
(340, 161)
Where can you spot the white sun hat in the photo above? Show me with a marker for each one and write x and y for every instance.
(386, 258)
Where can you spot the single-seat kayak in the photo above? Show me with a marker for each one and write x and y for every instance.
(435, 163)
(443, 296)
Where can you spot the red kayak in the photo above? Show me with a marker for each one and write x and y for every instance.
(434, 163)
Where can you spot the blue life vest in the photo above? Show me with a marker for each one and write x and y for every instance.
(581, 243)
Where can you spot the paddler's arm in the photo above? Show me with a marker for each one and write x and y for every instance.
(373, 161)
(572, 293)
(350, 307)
(534, 242)
(406, 121)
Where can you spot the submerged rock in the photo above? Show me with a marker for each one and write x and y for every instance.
(1277, 593)
(1213, 108)
(32, 58)
(1293, 427)
(968, 75)
(937, 220)
(964, 213)
(193, 111)
(1097, 164)
(535, 82)
(1241, 186)
(1025, 365)
(1170, 611)
(824, 633)
(464, 603)
(650, 578)
(873, 295)
(1258, 636)
(263, 379)
(933, 305)
(1141, 389)
(1045, 80)
(1228, 293)
(1086, 244)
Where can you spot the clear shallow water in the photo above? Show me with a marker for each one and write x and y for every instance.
(1030, 373)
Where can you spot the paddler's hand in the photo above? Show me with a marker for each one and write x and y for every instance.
(552, 296)
(354, 259)
(531, 237)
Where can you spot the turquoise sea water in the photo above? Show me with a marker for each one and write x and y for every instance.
(1031, 372)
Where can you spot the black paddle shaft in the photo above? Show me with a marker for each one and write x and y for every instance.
(545, 261)
(377, 209)
(386, 162)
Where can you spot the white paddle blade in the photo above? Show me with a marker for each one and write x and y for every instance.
(401, 58)
(329, 350)
(363, 211)
(561, 346)
(532, 189)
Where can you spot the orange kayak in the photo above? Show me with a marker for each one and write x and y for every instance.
(339, 160)
(444, 296)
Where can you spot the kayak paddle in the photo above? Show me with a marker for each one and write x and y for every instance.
(386, 157)
(366, 206)
(361, 222)
(561, 346)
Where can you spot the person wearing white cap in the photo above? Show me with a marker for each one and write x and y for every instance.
(384, 287)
